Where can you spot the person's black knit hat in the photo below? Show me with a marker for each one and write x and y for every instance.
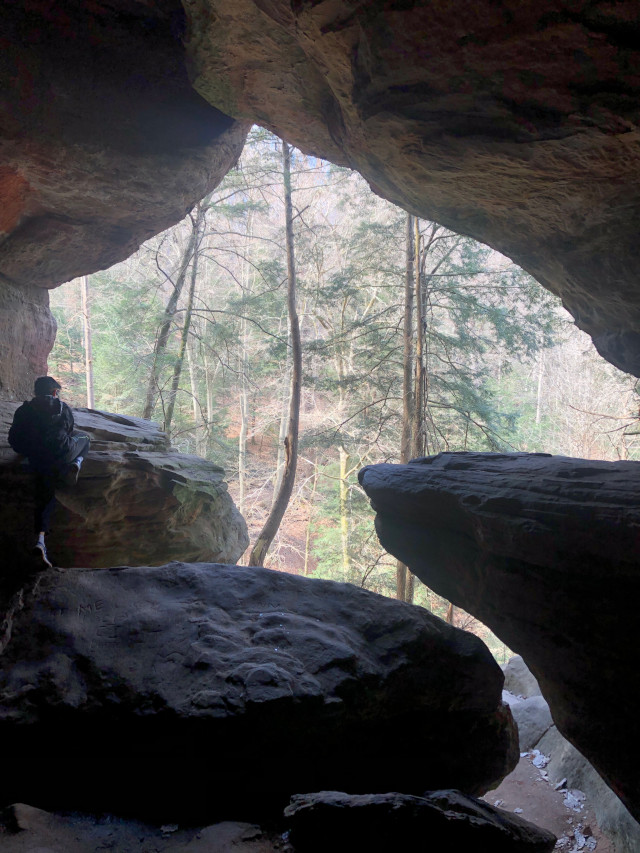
(45, 385)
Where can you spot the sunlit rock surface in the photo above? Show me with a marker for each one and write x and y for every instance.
(545, 550)
(207, 692)
(515, 123)
(137, 501)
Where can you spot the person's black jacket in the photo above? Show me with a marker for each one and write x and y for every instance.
(42, 429)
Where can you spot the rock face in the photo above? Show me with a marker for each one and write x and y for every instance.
(439, 820)
(27, 335)
(519, 680)
(104, 143)
(516, 123)
(545, 550)
(564, 761)
(137, 501)
(196, 692)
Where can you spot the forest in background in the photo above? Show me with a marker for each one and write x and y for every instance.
(414, 340)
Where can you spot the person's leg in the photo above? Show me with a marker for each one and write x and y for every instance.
(79, 446)
(45, 501)
(74, 457)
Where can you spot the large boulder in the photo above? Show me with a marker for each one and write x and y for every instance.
(205, 691)
(532, 717)
(519, 680)
(545, 551)
(137, 501)
(379, 823)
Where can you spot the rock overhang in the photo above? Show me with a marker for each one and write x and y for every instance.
(517, 125)
(544, 550)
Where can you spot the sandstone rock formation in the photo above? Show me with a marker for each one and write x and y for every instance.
(565, 764)
(27, 335)
(439, 820)
(545, 551)
(137, 502)
(516, 123)
(104, 143)
(208, 692)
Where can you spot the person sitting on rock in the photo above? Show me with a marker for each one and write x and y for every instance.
(43, 431)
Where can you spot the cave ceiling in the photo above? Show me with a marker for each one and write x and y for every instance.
(514, 122)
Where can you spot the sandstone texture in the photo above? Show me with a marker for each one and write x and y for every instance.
(545, 551)
(439, 820)
(137, 501)
(27, 335)
(201, 692)
(104, 143)
(515, 123)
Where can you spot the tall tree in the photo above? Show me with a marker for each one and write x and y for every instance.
(88, 342)
(171, 307)
(198, 225)
(271, 525)
(407, 378)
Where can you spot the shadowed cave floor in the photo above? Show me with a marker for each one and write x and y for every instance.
(527, 789)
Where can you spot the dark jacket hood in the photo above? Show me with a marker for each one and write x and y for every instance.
(47, 404)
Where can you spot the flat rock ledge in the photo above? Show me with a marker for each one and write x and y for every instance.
(438, 820)
(204, 692)
(545, 550)
(137, 502)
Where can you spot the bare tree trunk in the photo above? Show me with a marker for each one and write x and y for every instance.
(165, 328)
(407, 383)
(344, 514)
(208, 378)
(177, 367)
(539, 394)
(418, 404)
(284, 419)
(246, 287)
(451, 614)
(307, 538)
(88, 347)
(198, 425)
(272, 523)
(244, 416)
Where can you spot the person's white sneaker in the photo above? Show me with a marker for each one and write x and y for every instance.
(71, 477)
(40, 550)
